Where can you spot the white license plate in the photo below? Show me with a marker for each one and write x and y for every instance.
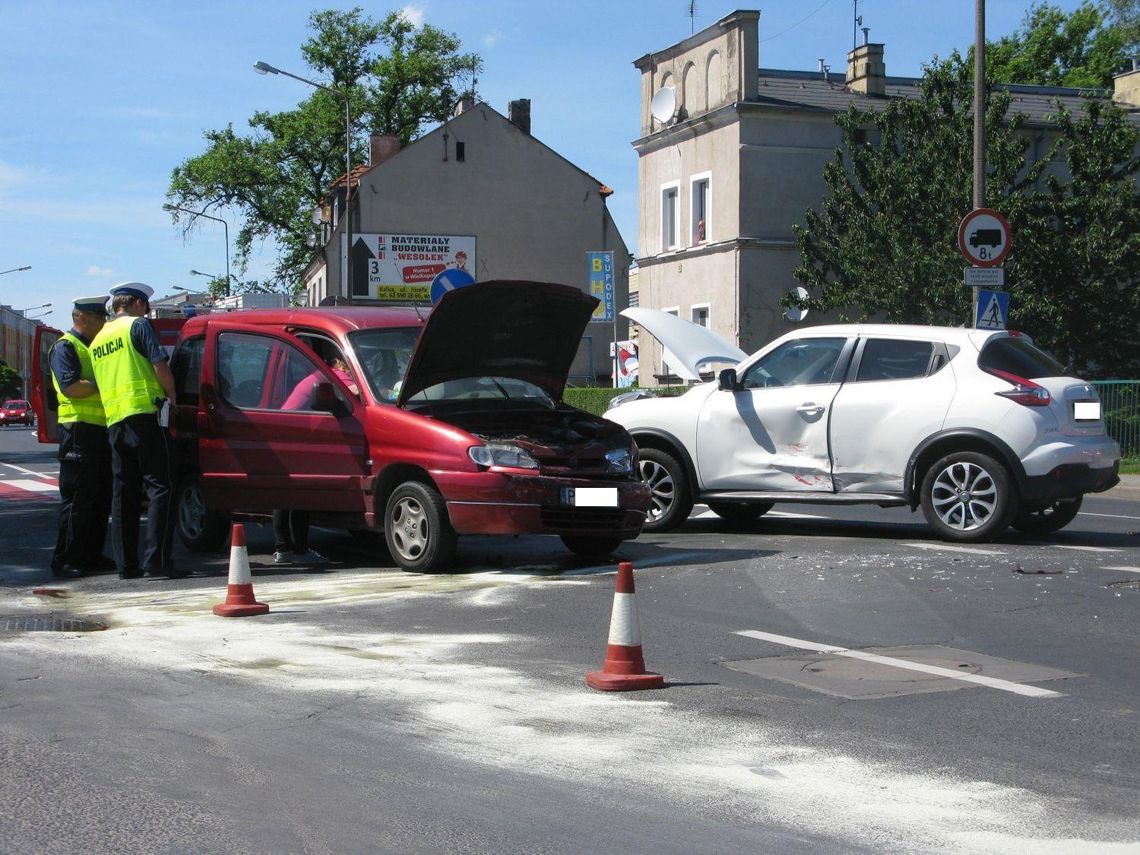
(1086, 411)
(590, 497)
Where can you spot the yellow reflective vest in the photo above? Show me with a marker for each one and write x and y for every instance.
(90, 409)
(126, 379)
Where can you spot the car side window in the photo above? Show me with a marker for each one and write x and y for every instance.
(894, 359)
(186, 366)
(243, 365)
(800, 362)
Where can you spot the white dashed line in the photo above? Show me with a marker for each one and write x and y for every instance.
(991, 682)
(1110, 516)
(1086, 548)
(31, 486)
(1123, 569)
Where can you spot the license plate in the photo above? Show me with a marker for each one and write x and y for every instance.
(1086, 411)
(590, 497)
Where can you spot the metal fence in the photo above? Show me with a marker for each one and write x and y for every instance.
(1120, 402)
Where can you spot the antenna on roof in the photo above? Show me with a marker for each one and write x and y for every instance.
(855, 27)
(692, 16)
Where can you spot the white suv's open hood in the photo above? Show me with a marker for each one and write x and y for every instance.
(687, 345)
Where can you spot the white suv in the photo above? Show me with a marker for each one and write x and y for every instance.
(978, 427)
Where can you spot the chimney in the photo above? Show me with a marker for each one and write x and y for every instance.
(866, 72)
(463, 105)
(381, 147)
(519, 114)
(1126, 88)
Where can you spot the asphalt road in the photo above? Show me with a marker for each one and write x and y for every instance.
(836, 681)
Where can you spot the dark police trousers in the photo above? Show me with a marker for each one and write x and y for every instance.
(140, 457)
(85, 494)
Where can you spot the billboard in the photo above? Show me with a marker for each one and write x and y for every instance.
(600, 276)
(399, 267)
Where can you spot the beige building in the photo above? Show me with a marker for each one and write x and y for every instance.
(518, 208)
(731, 155)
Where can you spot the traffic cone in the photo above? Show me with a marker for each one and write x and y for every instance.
(624, 668)
(239, 593)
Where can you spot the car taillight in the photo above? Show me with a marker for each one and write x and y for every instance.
(1024, 392)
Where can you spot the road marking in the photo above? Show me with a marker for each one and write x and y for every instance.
(30, 486)
(1110, 516)
(948, 548)
(1123, 569)
(27, 471)
(991, 682)
(1086, 548)
(782, 514)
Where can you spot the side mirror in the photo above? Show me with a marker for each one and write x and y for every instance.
(726, 380)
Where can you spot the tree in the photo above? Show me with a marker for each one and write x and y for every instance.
(11, 383)
(1084, 48)
(276, 176)
(883, 244)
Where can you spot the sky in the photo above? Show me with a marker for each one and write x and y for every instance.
(101, 99)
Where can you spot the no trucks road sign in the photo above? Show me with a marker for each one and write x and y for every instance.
(984, 237)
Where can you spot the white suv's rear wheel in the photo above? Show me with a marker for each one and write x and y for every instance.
(967, 496)
(1048, 519)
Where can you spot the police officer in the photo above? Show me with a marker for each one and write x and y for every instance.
(84, 455)
(134, 379)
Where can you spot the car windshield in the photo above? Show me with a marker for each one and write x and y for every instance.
(1021, 357)
(383, 355)
(484, 388)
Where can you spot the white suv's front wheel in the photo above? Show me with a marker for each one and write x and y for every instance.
(666, 477)
(967, 496)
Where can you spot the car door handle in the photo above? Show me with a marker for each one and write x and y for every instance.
(810, 409)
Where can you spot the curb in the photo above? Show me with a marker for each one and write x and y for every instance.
(1127, 489)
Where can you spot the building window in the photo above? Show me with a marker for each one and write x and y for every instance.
(701, 208)
(700, 315)
(461, 151)
(669, 214)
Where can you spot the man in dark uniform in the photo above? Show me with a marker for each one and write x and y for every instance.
(135, 382)
(84, 455)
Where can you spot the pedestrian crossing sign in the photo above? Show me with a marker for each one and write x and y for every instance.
(991, 310)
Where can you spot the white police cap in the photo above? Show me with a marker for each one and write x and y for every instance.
(96, 305)
(133, 289)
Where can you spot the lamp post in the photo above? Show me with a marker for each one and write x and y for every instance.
(24, 312)
(16, 269)
(266, 68)
(225, 226)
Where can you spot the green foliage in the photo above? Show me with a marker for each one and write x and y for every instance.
(595, 400)
(884, 243)
(276, 176)
(1083, 48)
(11, 384)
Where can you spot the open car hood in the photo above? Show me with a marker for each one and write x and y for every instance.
(527, 330)
(687, 345)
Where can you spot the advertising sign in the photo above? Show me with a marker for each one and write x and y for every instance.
(601, 278)
(399, 267)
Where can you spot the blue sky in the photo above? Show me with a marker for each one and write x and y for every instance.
(102, 98)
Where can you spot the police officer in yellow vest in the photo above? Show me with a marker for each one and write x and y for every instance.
(84, 455)
(134, 380)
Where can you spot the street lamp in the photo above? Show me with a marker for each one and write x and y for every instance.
(225, 225)
(24, 312)
(16, 269)
(266, 68)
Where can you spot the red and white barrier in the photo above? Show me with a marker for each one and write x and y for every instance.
(239, 592)
(624, 668)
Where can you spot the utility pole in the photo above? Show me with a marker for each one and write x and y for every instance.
(979, 103)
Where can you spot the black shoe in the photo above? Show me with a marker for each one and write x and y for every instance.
(68, 571)
(136, 573)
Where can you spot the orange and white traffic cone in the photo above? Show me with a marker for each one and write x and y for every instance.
(624, 668)
(239, 593)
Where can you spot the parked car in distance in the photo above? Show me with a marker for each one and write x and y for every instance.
(16, 412)
(442, 424)
(981, 429)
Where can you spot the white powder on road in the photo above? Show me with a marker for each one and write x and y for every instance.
(747, 773)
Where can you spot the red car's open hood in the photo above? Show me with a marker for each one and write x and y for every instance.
(526, 330)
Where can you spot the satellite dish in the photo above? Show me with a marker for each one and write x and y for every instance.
(794, 314)
(663, 107)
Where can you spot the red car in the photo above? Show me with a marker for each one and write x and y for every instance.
(16, 412)
(421, 426)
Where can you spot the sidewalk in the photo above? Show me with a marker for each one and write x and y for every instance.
(1128, 489)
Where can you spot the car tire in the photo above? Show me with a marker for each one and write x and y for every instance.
(200, 528)
(592, 546)
(738, 514)
(417, 530)
(666, 477)
(967, 497)
(1048, 519)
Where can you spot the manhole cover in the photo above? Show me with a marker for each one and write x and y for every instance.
(48, 623)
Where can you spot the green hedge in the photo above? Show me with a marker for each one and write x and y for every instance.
(595, 400)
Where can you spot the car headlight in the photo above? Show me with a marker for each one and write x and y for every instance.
(619, 460)
(502, 454)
